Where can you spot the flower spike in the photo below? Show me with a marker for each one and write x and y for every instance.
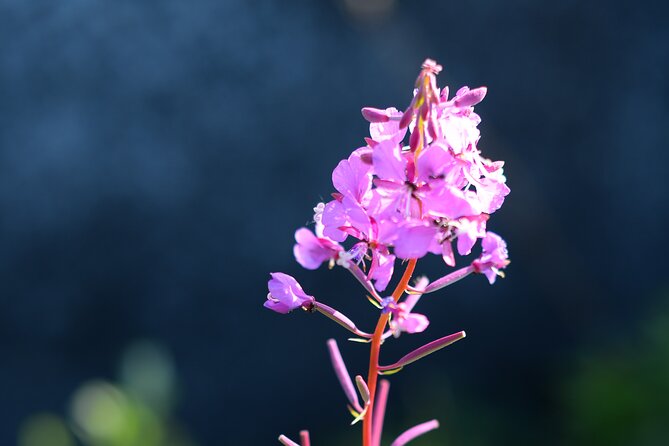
(419, 185)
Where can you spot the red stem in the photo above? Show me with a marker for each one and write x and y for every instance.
(374, 354)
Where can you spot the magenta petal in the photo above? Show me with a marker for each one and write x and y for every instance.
(447, 254)
(389, 164)
(491, 194)
(347, 213)
(390, 198)
(311, 251)
(469, 230)
(444, 200)
(352, 177)
(459, 132)
(382, 269)
(434, 162)
(334, 217)
(465, 243)
(413, 241)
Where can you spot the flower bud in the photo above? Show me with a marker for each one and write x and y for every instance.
(372, 114)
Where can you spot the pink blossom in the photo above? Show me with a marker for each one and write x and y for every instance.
(285, 294)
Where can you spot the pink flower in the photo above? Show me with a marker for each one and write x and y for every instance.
(285, 294)
(494, 257)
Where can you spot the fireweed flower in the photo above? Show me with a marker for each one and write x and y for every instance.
(395, 200)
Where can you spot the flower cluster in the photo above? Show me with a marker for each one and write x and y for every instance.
(395, 201)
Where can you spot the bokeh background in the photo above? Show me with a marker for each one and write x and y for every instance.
(156, 157)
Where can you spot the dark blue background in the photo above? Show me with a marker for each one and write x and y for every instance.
(156, 157)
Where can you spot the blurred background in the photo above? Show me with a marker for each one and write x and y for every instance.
(157, 156)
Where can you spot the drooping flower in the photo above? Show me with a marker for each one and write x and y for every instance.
(286, 294)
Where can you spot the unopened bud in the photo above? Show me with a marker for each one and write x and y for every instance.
(472, 97)
(372, 114)
(407, 117)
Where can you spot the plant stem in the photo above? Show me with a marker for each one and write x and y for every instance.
(374, 354)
